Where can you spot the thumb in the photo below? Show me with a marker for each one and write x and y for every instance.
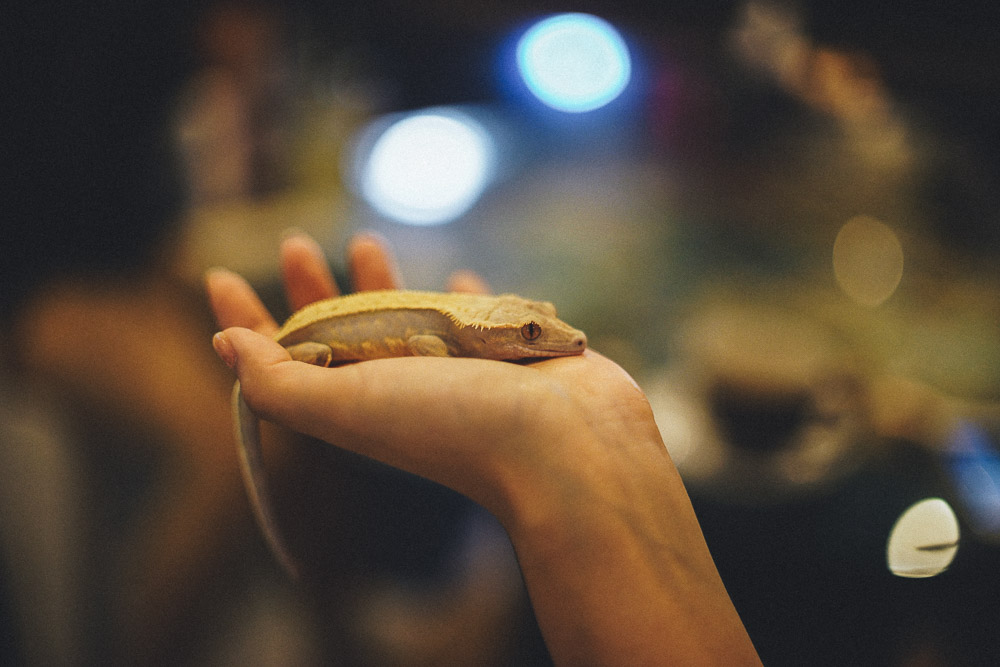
(297, 395)
(255, 358)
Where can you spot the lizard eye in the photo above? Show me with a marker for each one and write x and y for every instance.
(531, 331)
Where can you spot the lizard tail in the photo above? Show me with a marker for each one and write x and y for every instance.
(247, 428)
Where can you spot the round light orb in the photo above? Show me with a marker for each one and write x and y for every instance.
(924, 540)
(867, 260)
(428, 168)
(574, 62)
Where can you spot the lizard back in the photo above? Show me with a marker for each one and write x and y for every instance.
(466, 310)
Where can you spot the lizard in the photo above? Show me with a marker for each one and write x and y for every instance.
(398, 323)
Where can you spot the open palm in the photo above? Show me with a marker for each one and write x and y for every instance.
(563, 451)
(430, 416)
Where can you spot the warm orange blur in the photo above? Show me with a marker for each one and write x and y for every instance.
(788, 242)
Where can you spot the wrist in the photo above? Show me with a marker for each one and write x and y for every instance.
(608, 540)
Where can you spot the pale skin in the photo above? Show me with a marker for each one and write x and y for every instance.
(563, 451)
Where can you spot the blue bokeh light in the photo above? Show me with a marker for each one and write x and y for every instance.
(428, 167)
(574, 62)
(975, 470)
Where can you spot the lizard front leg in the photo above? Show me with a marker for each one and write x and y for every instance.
(310, 352)
(426, 345)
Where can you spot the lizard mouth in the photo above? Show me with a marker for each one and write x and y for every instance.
(573, 346)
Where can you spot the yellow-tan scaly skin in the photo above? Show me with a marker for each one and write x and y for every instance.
(400, 323)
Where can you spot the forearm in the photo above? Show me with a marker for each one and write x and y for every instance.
(617, 568)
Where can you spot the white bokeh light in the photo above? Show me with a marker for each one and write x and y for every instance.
(924, 540)
(427, 168)
(574, 62)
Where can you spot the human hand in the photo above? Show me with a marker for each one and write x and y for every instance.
(441, 420)
(563, 451)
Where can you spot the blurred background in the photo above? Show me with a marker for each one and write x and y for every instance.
(780, 217)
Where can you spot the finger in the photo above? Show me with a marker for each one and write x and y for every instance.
(277, 388)
(469, 282)
(373, 266)
(255, 358)
(235, 303)
(381, 409)
(305, 271)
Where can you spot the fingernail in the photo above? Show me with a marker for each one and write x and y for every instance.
(369, 236)
(213, 273)
(295, 232)
(303, 240)
(217, 271)
(224, 349)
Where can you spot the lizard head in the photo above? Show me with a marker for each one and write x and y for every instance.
(518, 328)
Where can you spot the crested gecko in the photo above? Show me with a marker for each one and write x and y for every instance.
(399, 323)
